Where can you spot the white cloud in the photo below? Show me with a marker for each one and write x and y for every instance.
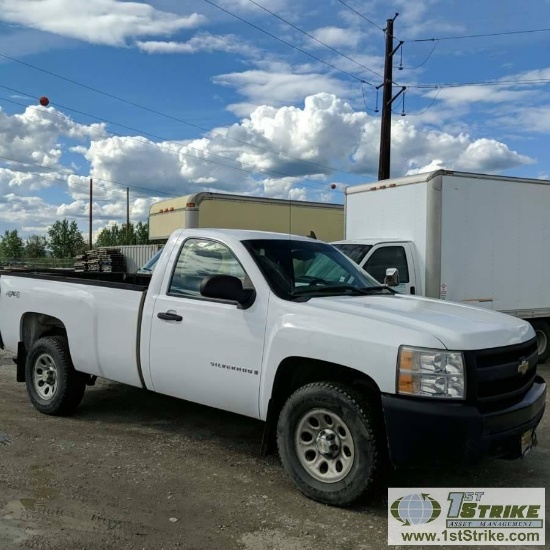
(416, 149)
(326, 133)
(110, 22)
(33, 136)
(264, 87)
(246, 6)
(113, 212)
(201, 42)
(336, 37)
(17, 211)
(490, 155)
(418, 20)
(478, 94)
(17, 183)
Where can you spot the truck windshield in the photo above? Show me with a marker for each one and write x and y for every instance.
(296, 268)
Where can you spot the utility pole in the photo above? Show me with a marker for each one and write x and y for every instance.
(90, 228)
(128, 215)
(387, 101)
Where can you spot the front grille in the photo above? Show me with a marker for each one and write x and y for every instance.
(494, 377)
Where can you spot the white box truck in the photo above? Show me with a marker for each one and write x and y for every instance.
(472, 238)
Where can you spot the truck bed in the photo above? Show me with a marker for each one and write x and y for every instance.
(127, 281)
(101, 313)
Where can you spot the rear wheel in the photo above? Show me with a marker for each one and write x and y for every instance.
(330, 443)
(542, 329)
(53, 385)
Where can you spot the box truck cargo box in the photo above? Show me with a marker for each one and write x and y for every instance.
(217, 210)
(470, 238)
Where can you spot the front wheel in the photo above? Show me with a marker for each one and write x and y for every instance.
(53, 385)
(542, 329)
(330, 443)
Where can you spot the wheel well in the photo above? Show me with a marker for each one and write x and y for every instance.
(295, 372)
(33, 327)
(36, 325)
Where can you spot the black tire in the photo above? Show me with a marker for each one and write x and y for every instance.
(368, 447)
(542, 328)
(63, 392)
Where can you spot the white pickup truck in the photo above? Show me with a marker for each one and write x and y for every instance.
(348, 375)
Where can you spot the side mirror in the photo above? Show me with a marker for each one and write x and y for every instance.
(227, 287)
(392, 277)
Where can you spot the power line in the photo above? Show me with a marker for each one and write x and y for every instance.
(361, 15)
(171, 149)
(401, 68)
(165, 115)
(486, 83)
(283, 41)
(376, 110)
(317, 40)
(404, 113)
(506, 33)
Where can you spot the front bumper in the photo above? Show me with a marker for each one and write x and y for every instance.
(423, 432)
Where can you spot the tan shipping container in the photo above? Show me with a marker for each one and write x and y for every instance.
(218, 210)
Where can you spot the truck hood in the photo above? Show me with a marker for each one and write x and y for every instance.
(456, 326)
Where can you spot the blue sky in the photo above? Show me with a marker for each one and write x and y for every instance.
(226, 107)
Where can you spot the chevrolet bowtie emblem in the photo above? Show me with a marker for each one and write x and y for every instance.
(523, 367)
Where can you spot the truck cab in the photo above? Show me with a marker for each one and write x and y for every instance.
(376, 256)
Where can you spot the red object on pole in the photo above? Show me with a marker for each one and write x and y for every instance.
(333, 186)
(44, 101)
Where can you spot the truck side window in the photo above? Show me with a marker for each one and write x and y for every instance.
(198, 259)
(388, 256)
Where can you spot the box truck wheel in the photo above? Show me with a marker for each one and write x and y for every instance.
(329, 443)
(53, 385)
(542, 328)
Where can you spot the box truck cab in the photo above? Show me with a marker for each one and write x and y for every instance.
(376, 256)
(470, 238)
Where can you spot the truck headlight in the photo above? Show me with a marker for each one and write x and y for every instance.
(431, 373)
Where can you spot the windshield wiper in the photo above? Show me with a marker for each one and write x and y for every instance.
(347, 289)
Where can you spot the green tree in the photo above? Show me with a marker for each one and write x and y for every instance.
(109, 236)
(35, 247)
(66, 240)
(141, 232)
(116, 235)
(11, 245)
(127, 235)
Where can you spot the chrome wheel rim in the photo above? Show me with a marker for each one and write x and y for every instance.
(324, 445)
(45, 377)
(542, 341)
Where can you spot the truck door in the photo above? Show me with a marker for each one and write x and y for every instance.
(399, 255)
(203, 350)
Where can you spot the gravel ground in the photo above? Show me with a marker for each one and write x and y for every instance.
(137, 470)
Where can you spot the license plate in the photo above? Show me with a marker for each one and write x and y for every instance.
(527, 440)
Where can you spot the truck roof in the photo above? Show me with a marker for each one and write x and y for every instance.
(195, 199)
(244, 234)
(372, 240)
(427, 176)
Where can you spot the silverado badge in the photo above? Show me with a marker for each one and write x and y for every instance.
(522, 367)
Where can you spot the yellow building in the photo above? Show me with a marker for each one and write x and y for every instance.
(217, 210)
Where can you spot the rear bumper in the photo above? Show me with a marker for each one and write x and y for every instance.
(431, 433)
